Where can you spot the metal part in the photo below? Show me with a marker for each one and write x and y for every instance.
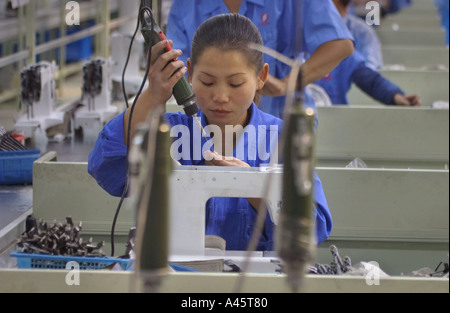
(38, 94)
(337, 266)
(57, 239)
(441, 273)
(130, 242)
(8, 142)
(30, 82)
(92, 81)
(96, 97)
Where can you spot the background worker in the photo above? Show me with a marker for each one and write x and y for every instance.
(325, 37)
(354, 69)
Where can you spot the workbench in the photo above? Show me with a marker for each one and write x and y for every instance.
(432, 86)
(119, 282)
(415, 56)
(397, 217)
(419, 36)
(15, 206)
(383, 137)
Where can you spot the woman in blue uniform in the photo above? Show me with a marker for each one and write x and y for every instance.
(386, 6)
(355, 70)
(226, 77)
(366, 39)
(443, 9)
(324, 35)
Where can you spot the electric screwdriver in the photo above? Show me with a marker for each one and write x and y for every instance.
(295, 240)
(151, 166)
(182, 90)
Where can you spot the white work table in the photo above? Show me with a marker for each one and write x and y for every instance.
(36, 281)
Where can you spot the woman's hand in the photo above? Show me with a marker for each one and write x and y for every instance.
(215, 159)
(165, 71)
(409, 100)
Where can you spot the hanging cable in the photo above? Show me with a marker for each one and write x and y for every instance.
(143, 9)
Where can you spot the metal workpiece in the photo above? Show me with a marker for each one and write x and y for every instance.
(337, 266)
(341, 266)
(57, 239)
(8, 142)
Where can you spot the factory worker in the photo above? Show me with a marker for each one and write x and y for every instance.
(324, 34)
(226, 76)
(442, 6)
(354, 69)
(395, 6)
(366, 40)
(386, 6)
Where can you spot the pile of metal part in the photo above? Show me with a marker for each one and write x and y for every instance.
(8, 142)
(441, 271)
(57, 239)
(338, 266)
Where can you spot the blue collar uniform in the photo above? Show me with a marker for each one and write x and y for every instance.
(230, 218)
(277, 24)
(354, 70)
(367, 42)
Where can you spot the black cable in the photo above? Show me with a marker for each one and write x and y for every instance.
(128, 58)
(142, 9)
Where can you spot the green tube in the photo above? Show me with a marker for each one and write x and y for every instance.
(295, 238)
(154, 231)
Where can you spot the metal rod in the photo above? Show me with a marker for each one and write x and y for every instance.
(63, 50)
(14, 58)
(18, 56)
(30, 9)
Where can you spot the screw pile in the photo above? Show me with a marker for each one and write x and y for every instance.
(8, 142)
(57, 239)
(336, 267)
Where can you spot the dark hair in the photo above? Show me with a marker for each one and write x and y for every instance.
(228, 32)
(345, 3)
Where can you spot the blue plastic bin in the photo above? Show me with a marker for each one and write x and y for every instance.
(81, 49)
(57, 262)
(16, 167)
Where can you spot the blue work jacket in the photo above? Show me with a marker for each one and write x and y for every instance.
(354, 70)
(279, 28)
(230, 218)
(367, 42)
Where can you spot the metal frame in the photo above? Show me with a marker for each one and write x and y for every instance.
(28, 49)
